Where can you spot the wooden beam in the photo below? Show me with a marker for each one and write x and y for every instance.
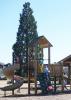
(48, 56)
(36, 64)
(28, 74)
(69, 62)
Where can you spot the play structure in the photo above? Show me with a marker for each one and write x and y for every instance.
(60, 74)
(9, 72)
(28, 60)
(48, 81)
(34, 67)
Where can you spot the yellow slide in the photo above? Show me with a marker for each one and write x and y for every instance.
(9, 71)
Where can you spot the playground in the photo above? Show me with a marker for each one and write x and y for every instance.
(41, 80)
(21, 96)
(27, 76)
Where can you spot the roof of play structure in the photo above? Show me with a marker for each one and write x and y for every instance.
(42, 41)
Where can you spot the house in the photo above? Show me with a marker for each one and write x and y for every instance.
(66, 63)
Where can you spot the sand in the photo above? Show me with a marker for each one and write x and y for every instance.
(22, 95)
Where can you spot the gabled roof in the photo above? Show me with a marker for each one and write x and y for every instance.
(44, 42)
(66, 60)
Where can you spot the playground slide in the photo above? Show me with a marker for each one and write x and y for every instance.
(13, 86)
(9, 71)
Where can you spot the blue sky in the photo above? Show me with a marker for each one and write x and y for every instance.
(53, 21)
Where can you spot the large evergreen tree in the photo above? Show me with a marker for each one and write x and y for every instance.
(27, 32)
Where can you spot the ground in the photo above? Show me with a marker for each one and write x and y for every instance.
(55, 97)
(22, 95)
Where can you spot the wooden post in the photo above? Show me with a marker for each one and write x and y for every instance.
(62, 89)
(35, 77)
(12, 92)
(13, 75)
(70, 84)
(68, 74)
(4, 93)
(28, 83)
(36, 64)
(62, 84)
(28, 74)
(48, 56)
(54, 84)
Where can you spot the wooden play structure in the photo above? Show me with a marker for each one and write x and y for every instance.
(59, 72)
(35, 67)
(56, 72)
(35, 59)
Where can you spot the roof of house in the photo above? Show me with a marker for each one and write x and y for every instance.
(66, 60)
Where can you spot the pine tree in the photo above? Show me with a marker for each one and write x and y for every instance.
(27, 32)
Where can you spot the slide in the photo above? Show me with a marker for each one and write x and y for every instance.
(16, 85)
(9, 71)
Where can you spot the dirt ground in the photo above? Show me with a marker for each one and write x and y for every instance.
(22, 95)
(52, 97)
